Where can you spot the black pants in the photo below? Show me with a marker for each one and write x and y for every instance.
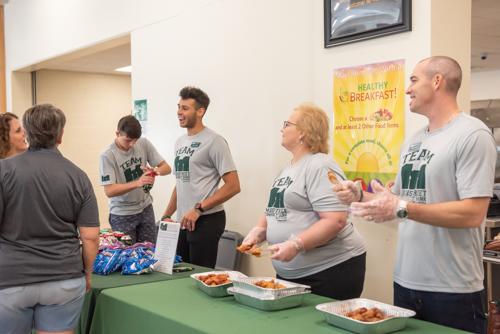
(343, 281)
(200, 246)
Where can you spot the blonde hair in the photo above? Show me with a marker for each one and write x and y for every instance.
(316, 125)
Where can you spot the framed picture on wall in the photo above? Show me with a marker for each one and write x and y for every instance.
(349, 21)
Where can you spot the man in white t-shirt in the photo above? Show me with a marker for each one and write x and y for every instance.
(124, 170)
(202, 159)
(441, 195)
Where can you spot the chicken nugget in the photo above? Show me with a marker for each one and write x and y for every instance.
(244, 248)
(333, 177)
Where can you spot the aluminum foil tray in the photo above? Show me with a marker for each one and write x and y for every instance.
(335, 314)
(245, 286)
(273, 304)
(217, 290)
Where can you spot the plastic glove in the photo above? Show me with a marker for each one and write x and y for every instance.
(381, 209)
(347, 192)
(255, 237)
(287, 250)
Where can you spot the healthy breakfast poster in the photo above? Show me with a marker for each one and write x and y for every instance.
(368, 108)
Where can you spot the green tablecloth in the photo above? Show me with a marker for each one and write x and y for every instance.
(179, 307)
(116, 280)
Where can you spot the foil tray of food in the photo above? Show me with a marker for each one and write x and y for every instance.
(365, 316)
(215, 283)
(271, 304)
(267, 287)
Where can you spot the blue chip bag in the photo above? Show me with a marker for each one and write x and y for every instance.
(105, 261)
(149, 254)
(122, 258)
(135, 254)
(138, 266)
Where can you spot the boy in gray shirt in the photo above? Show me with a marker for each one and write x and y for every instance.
(124, 171)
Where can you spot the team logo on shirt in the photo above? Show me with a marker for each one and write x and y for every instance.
(276, 205)
(413, 181)
(132, 169)
(104, 178)
(195, 144)
(181, 162)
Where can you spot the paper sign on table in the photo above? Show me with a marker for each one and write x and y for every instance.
(166, 246)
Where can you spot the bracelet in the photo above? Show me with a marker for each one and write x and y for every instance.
(296, 245)
(197, 210)
(361, 198)
(165, 216)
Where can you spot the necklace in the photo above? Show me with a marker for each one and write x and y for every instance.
(452, 117)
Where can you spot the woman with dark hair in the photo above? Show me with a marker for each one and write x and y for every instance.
(12, 136)
(308, 229)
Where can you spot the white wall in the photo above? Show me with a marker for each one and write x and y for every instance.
(39, 30)
(255, 67)
(381, 239)
(485, 85)
(256, 59)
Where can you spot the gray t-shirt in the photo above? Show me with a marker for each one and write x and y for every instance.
(120, 167)
(44, 197)
(452, 163)
(200, 162)
(298, 193)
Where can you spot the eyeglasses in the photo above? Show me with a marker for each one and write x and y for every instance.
(287, 123)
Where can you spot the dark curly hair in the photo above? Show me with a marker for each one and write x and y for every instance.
(5, 133)
(200, 97)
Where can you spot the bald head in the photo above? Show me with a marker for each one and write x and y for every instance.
(448, 68)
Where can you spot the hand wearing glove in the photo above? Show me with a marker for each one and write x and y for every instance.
(255, 237)
(287, 250)
(381, 209)
(347, 192)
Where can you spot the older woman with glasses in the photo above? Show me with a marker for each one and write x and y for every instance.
(304, 223)
(12, 136)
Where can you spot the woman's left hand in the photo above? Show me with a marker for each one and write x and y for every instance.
(288, 250)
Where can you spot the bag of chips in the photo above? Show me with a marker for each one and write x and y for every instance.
(105, 261)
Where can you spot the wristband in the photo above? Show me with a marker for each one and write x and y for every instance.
(197, 210)
(361, 197)
(296, 245)
(165, 216)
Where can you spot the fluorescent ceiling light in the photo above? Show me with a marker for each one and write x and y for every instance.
(124, 69)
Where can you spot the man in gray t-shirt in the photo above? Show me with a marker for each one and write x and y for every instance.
(127, 178)
(202, 159)
(441, 195)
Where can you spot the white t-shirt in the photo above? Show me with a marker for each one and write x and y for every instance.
(298, 193)
(117, 166)
(452, 163)
(200, 162)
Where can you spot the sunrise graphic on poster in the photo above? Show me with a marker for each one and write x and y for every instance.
(368, 108)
